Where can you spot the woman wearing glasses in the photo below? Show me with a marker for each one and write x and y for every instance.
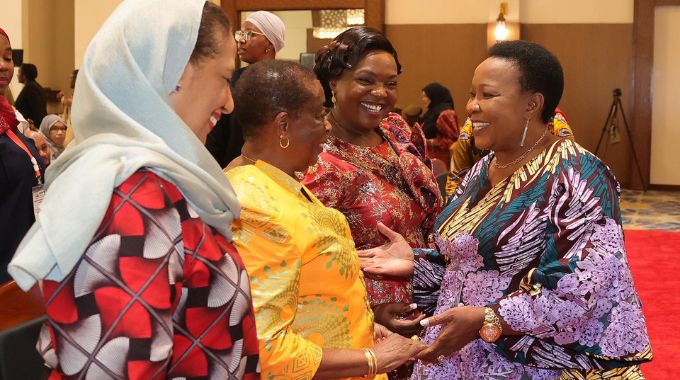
(54, 131)
(260, 39)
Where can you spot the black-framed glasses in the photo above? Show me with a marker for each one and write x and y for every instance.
(243, 36)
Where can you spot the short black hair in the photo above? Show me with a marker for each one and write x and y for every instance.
(346, 50)
(29, 71)
(540, 71)
(207, 46)
(268, 87)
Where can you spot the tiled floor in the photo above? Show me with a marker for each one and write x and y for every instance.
(653, 210)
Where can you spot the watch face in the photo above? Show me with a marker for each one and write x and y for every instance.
(490, 333)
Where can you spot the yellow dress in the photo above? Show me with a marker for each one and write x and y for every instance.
(307, 286)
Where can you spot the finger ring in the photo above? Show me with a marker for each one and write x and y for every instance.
(415, 338)
(441, 358)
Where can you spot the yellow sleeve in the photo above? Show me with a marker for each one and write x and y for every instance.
(273, 263)
(461, 161)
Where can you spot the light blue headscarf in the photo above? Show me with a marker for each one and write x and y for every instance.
(122, 122)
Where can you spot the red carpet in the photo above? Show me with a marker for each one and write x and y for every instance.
(654, 259)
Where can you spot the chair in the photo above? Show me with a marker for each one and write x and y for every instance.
(21, 317)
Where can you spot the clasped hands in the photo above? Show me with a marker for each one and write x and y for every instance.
(460, 324)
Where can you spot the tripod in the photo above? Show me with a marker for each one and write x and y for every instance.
(611, 117)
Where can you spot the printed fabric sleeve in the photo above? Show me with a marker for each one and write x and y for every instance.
(138, 306)
(578, 308)
(273, 263)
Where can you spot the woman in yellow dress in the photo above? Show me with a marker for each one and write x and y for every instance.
(312, 313)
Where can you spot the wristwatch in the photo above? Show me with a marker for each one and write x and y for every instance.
(491, 328)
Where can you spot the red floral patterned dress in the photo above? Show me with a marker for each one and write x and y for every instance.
(390, 183)
(158, 294)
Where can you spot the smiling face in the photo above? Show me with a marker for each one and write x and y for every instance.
(309, 131)
(497, 106)
(255, 48)
(6, 64)
(368, 92)
(205, 92)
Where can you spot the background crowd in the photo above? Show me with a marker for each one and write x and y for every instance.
(308, 233)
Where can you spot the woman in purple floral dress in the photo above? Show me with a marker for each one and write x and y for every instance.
(537, 284)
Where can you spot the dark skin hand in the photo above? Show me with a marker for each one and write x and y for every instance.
(401, 318)
(460, 326)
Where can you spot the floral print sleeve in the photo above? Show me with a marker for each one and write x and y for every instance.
(580, 296)
(544, 248)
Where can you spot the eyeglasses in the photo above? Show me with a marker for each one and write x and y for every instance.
(58, 129)
(242, 36)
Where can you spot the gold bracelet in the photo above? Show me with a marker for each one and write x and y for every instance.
(372, 363)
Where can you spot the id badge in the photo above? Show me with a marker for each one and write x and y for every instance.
(38, 195)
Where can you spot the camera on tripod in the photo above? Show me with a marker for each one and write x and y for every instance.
(611, 127)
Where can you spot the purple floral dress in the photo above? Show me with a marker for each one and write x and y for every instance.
(544, 248)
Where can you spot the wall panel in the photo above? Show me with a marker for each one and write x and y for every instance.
(596, 59)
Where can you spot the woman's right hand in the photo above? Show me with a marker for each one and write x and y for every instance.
(395, 350)
(394, 258)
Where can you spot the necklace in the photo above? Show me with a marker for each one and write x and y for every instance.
(520, 158)
(248, 158)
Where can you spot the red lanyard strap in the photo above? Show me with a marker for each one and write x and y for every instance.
(21, 145)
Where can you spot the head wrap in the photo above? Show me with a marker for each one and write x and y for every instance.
(271, 26)
(45, 126)
(123, 121)
(8, 119)
(47, 123)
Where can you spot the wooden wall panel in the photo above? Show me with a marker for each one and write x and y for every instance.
(596, 58)
(447, 54)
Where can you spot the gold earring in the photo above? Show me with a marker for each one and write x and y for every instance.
(333, 99)
(281, 143)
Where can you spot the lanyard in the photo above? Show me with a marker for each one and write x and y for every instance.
(21, 145)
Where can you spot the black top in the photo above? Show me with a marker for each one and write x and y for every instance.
(32, 102)
(440, 100)
(225, 141)
(17, 179)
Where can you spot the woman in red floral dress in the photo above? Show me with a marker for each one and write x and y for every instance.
(132, 244)
(374, 169)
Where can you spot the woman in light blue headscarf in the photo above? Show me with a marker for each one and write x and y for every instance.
(132, 244)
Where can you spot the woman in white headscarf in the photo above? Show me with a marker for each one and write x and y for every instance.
(261, 37)
(132, 244)
(53, 130)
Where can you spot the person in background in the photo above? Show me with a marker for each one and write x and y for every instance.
(464, 153)
(133, 245)
(373, 168)
(312, 313)
(411, 114)
(537, 284)
(32, 100)
(440, 122)
(21, 169)
(260, 38)
(41, 145)
(54, 130)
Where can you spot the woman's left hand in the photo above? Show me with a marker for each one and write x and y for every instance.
(460, 326)
(393, 259)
